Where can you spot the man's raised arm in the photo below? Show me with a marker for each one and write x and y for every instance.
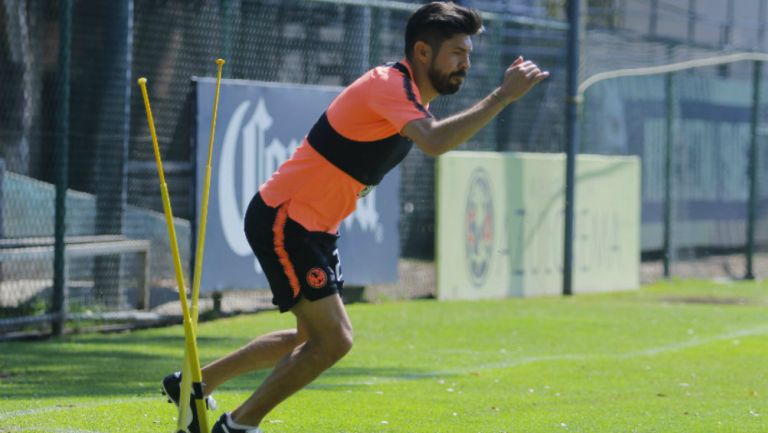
(435, 137)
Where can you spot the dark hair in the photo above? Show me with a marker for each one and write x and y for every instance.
(436, 22)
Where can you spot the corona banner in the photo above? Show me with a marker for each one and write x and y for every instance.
(259, 126)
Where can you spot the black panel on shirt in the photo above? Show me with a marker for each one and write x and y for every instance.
(366, 161)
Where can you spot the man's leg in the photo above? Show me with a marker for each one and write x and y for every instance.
(329, 335)
(263, 352)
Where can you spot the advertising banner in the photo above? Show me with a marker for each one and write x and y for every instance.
(500, 224)
(258, 127)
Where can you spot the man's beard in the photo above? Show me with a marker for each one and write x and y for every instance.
(442, 82)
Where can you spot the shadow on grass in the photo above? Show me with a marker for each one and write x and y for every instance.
(97, 366)
(89, 365)
(341, 378)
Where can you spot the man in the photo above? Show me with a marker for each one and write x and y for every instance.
(292, 222)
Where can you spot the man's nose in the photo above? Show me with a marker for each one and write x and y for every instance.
(465, 64)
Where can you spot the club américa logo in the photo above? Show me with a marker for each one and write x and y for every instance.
(317, 278)
(479, 226)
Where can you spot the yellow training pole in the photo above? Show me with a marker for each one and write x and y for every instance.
(186, 382)
(204, 203)
(189, 332)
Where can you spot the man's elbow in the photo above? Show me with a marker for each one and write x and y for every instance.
(429, 147)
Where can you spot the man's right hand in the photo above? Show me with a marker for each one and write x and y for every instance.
(519, 78)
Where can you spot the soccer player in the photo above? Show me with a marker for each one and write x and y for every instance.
(292, 222)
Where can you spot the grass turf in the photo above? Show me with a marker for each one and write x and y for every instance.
(681, 356)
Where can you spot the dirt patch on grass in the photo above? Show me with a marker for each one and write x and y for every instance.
(417, 280)
(714, 300)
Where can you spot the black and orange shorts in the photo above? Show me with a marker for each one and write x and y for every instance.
(297, 262)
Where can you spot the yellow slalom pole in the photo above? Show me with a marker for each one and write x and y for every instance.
(204, 204)
(189, 331)
(186, 383)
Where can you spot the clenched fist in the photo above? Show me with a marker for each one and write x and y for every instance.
(519, 78)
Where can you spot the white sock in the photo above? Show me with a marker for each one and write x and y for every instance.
(247, 428)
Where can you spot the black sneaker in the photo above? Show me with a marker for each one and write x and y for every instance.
(171, 388)
(222, 427)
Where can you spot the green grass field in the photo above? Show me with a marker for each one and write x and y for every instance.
(674, 357)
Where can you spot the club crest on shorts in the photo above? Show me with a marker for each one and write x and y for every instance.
(317, 278)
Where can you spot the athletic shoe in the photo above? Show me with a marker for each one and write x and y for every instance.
(221, 426)
(171, 388)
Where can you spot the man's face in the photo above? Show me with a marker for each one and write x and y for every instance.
(449, 67)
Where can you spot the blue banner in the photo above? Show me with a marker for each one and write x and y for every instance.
(710, 153)
(258, 127)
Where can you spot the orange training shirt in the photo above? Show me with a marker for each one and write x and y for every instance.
(351, 146)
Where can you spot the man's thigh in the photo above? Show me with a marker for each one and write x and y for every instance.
(323, 318)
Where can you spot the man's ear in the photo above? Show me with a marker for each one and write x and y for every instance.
(422, 52)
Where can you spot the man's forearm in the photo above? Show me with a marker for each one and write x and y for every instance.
(440, 136)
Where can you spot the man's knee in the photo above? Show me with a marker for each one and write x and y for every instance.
(328, 328)
(344, 342)
(332, 346)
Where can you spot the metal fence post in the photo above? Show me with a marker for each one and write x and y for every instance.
(228, 14)
(2, 203)
(58, 307)
(691, 34)
(669, 140)
(753, 171)
(572, 137)
(761, 25)
(653, 18)
(2, 206)
(111, 175)
(374, 43)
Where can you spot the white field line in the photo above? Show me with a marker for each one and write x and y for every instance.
(651, 351)
(60, 407)
(55, 430)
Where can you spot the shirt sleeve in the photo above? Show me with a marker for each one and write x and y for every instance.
(393, 99)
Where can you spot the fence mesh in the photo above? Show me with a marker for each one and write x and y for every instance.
(711, 120)
(113, 196)
(711, 123)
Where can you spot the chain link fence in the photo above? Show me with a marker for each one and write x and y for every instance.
(112, 187)
(704, 198)
(113, 206)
